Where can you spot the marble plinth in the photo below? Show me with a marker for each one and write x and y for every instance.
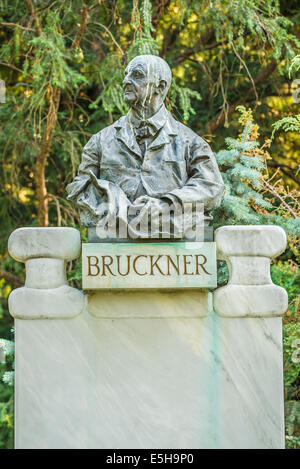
(149, 382)
(150, 367)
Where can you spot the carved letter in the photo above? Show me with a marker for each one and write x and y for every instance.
(104, 265)
(202, 264)
(170, 261)
(128, 265)
(186, 263)
(134, 265)
(93, 265)
(154, 264)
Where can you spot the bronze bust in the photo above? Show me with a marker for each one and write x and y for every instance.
(146, 159)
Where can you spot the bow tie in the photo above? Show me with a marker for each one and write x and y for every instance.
(144, 130)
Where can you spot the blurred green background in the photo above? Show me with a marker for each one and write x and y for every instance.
(235, 66)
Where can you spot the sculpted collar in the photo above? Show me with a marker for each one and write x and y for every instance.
(156, 122)
(164, 123)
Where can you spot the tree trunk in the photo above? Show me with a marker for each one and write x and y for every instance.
(40, 181)
(220, 118)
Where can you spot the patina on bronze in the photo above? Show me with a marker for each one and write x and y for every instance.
(146, 159)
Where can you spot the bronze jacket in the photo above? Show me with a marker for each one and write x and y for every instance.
(177, 165)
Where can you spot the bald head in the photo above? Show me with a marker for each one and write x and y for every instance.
(156, 68)
(147, 81)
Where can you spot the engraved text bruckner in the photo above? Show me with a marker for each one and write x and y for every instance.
(142, 264)
(149, 265)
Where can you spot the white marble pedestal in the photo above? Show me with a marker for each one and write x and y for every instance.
(153, 369)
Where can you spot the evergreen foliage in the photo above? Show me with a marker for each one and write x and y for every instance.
(6, 395)
(295, 65)
(63, 66)
(288, 124)
(242, 176)
(243, 167)
(7, 347)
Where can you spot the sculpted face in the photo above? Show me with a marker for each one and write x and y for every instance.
(137, 83)
(141, 83)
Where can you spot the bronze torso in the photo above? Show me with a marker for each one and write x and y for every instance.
(177, 164)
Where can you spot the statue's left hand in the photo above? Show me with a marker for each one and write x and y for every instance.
(149, 204)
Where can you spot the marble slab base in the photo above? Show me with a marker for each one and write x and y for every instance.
(149, 382)
(208, 235)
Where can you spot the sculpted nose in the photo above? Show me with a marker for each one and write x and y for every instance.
(126, 80)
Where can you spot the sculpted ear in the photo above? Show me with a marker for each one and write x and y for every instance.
(162, 86)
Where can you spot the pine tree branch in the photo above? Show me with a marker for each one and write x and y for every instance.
(35, 17)
(43, 154)
(170, 37)
(160, 6)
(92, 7)
(82, 27)
(109, 33)
(15, 25)
(219, 119)
(171, 34)
(40, 182)
(285, 169)
(45, 7)
(12, 67)
(10, 278)
(85, 14)
(200, 45)
(274, 192)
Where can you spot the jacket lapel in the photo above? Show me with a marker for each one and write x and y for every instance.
(126, 136)
(164, 136)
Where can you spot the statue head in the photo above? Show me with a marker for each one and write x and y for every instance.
(146, 82)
